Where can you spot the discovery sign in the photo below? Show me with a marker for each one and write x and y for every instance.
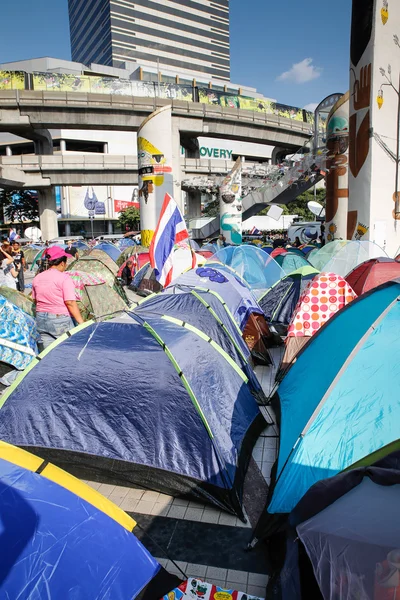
(206, 152)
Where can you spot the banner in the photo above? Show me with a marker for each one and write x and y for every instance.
(12, 80)
(230, 205)
(121, 205)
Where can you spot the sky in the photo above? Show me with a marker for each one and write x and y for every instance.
(295, 51)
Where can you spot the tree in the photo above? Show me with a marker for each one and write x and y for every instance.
(299, 206)
(130, 217)
(19, 205)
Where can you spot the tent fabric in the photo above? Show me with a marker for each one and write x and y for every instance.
(372, 273)
(20, 300)
(206, 312)
(142, 259)
(55, 542)
(255, 267)
(342, 256)
(291, 262)
(228, 285)
(18, 335)
(346, 525)
(99, 254)
(279, 303)
(144, 281)
(95, 298)
(337, 402)
(110, 249)
(94, 396)
(96, 266)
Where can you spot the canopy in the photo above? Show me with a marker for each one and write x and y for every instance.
(139, 379)
(337, 402)
(372, 273)
(342, 256)
(254, 266)
(18, 335)
(60, 538)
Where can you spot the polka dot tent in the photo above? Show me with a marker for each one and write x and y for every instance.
(323, 297)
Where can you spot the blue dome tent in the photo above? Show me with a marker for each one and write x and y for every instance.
(95, 395)
(337, 403)
(62, 539)
(18, 335)
(112, 251)
(234, 292)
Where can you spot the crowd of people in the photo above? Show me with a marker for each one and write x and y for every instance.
(12, 265)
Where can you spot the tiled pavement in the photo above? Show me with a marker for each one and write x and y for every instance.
(154, 508)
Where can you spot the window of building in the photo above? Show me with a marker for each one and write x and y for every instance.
(146, 76)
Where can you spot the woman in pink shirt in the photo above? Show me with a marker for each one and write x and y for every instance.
(54, 294)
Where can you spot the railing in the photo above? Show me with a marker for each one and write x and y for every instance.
(63, 82)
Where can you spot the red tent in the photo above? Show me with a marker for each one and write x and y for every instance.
(372, 273)
(143, 258)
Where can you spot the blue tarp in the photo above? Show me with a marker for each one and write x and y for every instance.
(235, 293)
(95, 397)
(18, 335)
(338, 401)
(112, 251)
(54, 544)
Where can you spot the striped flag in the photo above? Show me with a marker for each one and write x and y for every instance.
(171, 229)
(255, 231)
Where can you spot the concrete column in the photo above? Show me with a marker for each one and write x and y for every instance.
(193, 204)
(63, 146)
(48, 214)
(110, 228)
(42, 141)
(67, 228)
(105, 148)
(176, 165)
(8, 151)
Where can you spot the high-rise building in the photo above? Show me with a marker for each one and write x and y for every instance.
(185, 36)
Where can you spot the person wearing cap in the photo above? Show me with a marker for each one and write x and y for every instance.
(54, 294)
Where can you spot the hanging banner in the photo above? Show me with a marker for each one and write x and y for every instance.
(230, 205)
(337, 180)
(12, 80)
(154, 141)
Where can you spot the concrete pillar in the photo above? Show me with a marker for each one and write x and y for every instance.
(67, 228)
(48, 214)
(8, 151)
(63, 146)
(105, 148)
(110, 228)
(176, 165)
(43, 142)
(193, 204)
(337, 178)
(230, 204)
(155, 162)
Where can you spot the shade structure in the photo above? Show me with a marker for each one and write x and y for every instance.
(254, 266)
(23, 302)
(95, 395)
(337, 403)
(324, 295)
(342, 256)
(224, 282)
(18, 335)
(291, 262)
(372, 273)
(95, 266)
(279, 303)
(62, 539)
(110, 249)
(95, 298)
(207, 313)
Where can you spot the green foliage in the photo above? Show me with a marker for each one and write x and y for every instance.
(19, 205)
(211, 209)
(130, 217)
(299, 206)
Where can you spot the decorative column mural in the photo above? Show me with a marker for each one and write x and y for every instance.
(230, 204)
(374, 202)
(337, 188)
(155, 168)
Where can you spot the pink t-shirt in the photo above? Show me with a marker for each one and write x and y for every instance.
(51, 289)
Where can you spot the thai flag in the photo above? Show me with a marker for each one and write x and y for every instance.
(255, 231)
(12, 235)
(171, 229)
